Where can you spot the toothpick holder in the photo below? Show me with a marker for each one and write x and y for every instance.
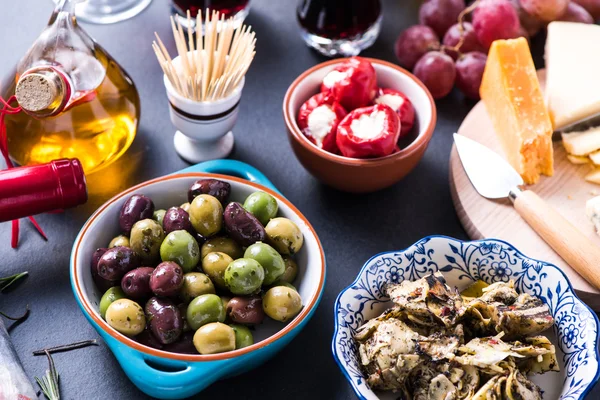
(204, 128)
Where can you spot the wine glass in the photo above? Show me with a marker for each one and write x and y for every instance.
(339, 27)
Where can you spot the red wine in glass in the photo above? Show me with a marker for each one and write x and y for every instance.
(339, 27)
(238, 9)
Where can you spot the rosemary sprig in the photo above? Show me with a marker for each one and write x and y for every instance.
(20, 317)
(67, 347)
(7, 281)
(49, 382)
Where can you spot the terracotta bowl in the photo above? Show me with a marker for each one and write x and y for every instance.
(353, 174)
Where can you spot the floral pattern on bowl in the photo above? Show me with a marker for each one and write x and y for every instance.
(575, 332)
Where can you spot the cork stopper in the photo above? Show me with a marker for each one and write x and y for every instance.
(36, 92)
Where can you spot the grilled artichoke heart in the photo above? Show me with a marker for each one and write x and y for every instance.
(428, 301)
(502, 309)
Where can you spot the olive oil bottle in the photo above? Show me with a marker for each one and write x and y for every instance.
(76, 101)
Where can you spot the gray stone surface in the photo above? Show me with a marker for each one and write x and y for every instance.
(352, 228)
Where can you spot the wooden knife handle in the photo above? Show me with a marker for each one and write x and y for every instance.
(568, 241)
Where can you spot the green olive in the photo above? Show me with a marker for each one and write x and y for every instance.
(185, 207)
(159, 215)
(214, 265)
(291, 270)
(284, 235)
(282, 303)
(244, 276)
(262, 205)
(182, 248)
(204, 309)
(243, 336)
(118, 241)
(214, 338)
(194, 285)
(286, 284)
(126, 316)
(112, 294)
(222, 244)
(206, 215)
(268, 258)
(146, 237)
(225, 300)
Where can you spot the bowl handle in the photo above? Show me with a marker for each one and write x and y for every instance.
(164, 378)
(233, 168)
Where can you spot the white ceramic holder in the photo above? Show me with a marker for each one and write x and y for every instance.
(204, 128)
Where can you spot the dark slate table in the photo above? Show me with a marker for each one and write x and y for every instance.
(352, 228)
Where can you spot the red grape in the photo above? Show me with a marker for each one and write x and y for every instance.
(546, 10)
(469, 71)
(437, 72)
(470, 42)
(591, 6)
(440, 14)
(530, 24)
(495, 19)
(576, 13)
(413, 43)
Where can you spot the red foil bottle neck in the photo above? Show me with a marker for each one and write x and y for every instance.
(35, 189)
(71, 182)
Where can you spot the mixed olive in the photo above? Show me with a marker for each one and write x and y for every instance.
(199, 277)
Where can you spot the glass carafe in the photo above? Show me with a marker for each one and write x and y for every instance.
(77, 101)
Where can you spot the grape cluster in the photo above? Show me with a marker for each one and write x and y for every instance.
(467, 32)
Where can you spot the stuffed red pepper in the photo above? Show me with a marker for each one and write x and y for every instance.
(401, 104)
(353, 83)
(318, 120)
(369, 132)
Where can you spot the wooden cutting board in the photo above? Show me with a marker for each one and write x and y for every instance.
(566, 191)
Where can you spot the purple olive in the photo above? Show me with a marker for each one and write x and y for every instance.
(177, 219)
(164, 320)
(116, 262)
(242, 226)
(136, 208)
(213, 187)
(166, 279)
(185, 345)
(147, 339)
(101, 283)
(246, 310)
(136, 283)
(183, 311)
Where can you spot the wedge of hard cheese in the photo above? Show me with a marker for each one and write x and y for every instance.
(514, 102)
(572, 70)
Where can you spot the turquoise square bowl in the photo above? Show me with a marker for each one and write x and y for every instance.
(166, 375)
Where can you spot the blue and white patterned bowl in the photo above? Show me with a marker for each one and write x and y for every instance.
(575, 332)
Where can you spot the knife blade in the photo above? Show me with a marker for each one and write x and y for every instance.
(495, 178)
(491, 175)
(582, 125)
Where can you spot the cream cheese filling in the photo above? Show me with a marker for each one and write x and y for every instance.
(392, 100)
(368, 126)
(320, 121)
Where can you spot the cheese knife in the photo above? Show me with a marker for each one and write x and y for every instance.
(494, 178)
(582, 125)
